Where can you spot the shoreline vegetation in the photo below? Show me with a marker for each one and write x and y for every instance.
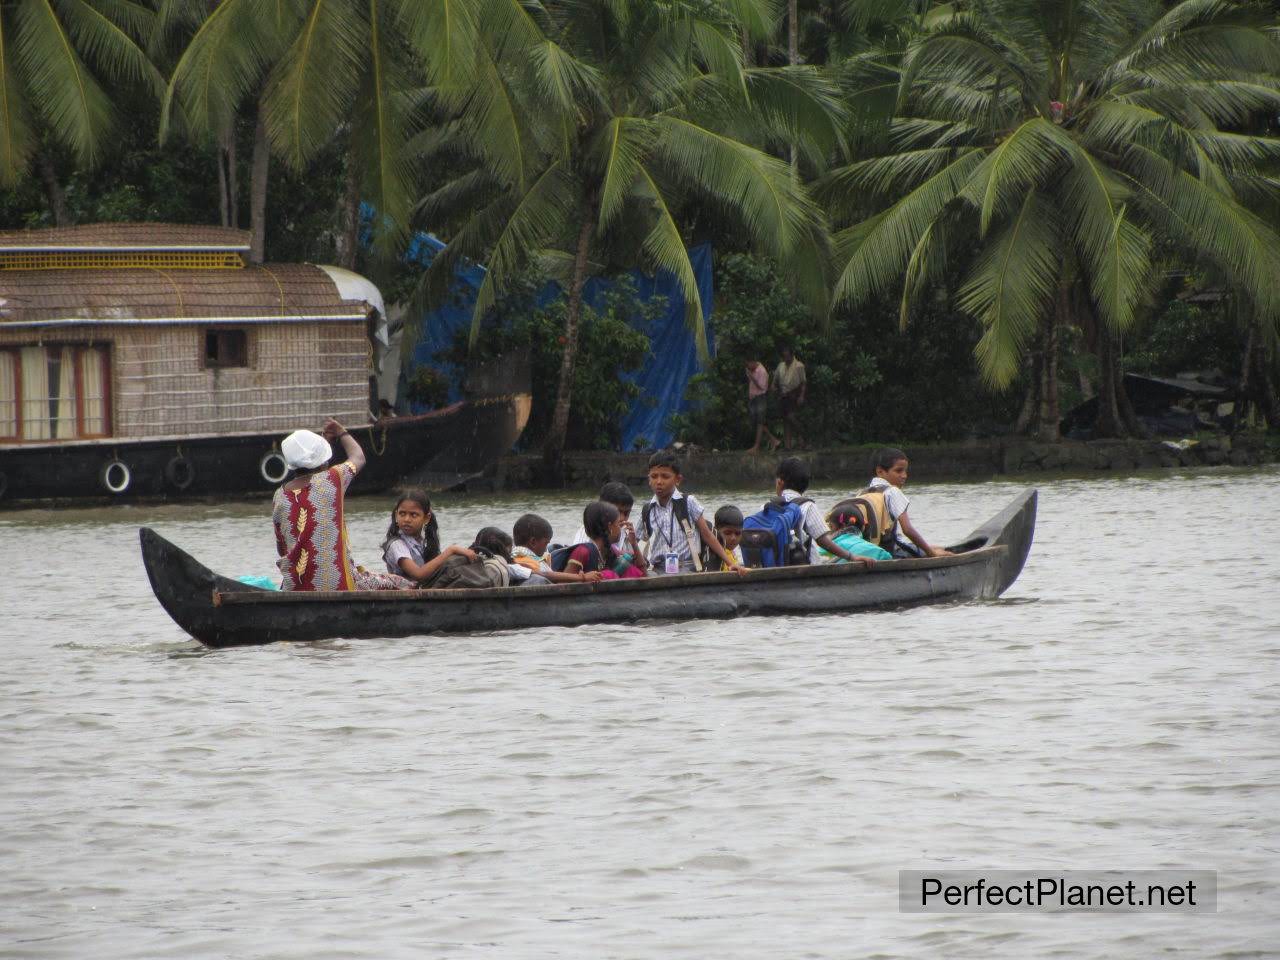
(965, 217)
(976, 459)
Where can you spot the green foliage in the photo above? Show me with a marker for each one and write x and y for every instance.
(612, 342)
(427, 386)
(868, 381)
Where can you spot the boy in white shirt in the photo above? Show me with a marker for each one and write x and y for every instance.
(792, 480)
(619, 494)
(673, 524)
(890, 466)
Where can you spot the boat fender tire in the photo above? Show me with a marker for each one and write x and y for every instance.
(115, 476)
(180, 472)
(267, 467)
(4, 485)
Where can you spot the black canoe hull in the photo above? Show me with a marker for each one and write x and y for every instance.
(436, 450)
(224, 613)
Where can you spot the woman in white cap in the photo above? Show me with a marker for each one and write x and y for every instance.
(307, 510)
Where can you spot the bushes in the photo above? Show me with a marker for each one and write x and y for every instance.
(867, 381)
(613, 342)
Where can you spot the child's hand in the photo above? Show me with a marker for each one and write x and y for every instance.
(331, 429)
(940, 552)
(739, 569)
(463, 552)
(865, 561)
(592, 577)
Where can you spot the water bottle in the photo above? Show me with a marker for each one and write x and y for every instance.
(673, 563)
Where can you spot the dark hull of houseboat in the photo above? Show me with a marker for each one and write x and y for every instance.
(437, 450)
(224, 613)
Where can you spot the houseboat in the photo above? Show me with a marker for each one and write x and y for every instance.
(155, 361)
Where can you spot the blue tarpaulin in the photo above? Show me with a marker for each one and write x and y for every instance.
(673, 357)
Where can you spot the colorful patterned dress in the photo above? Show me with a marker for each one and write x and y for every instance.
(312, 541)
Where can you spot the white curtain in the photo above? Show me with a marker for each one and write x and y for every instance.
(62, 408)
(35, 394)
(92, 397)
(8, 394)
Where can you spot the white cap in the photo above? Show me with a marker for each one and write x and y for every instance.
(304, 450)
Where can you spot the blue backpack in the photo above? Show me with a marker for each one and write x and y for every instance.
(767, 536)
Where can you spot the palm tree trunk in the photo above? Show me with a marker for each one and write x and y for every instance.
(793, 32)
(231, 168)
(258, 187)
(1050, 413)
(53, 191)
(1239, 412)
(1264, 385)
(1108, 422)
(224, 208)
(553, 450)
(1031, 399)
(349, 216)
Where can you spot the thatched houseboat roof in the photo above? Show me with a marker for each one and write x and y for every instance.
(104, 237)
(260, 293)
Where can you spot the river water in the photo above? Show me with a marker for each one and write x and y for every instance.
(744, 789)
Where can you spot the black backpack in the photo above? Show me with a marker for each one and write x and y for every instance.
(560, 557)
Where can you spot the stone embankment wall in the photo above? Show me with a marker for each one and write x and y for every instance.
(970, 460)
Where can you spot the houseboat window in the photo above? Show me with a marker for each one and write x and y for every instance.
(54, 393)
(8, 395)
(226, 348)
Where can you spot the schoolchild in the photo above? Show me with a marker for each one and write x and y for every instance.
(603, 526)
(672, 524)
(728, 522)
(846, 531)
(791, 480)
(890, 466)
(493, 546)
(412, 545)
(531, 535)
(618, 494)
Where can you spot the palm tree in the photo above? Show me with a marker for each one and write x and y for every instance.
(54, 59)
(322, 69)
(1055, 144)
(592, 130)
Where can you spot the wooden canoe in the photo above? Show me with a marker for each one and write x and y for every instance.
(221, 612)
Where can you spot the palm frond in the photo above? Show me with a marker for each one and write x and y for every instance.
(618, 152)
(1011, 286)
(664, 247)
(537, 218)
(15, 129)
(1022, 162)
(312, 87)
(875, 253)
(61, 87)
(757, 187)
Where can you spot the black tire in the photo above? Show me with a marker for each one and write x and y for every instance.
(120, 471)
(180, 472)
(266, 462)
(4, 485)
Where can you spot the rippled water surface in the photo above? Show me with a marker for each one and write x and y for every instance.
(713, 789)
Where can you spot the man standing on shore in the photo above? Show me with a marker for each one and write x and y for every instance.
(789, 381)
(757, 403)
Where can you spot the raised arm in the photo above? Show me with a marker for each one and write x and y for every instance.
(332, 431)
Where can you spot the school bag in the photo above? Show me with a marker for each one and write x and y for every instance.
(869, 512)
(773, 537)
(560, 557)
(459, 573)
